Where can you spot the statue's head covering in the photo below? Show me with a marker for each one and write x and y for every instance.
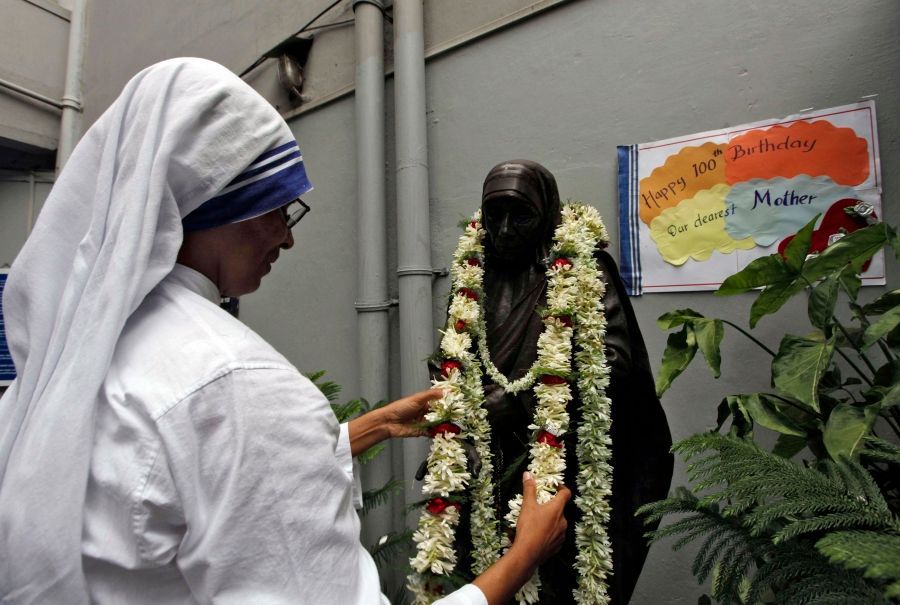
(187, 145)
(530, 183)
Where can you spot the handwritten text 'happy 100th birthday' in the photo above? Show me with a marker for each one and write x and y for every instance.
(734, 153)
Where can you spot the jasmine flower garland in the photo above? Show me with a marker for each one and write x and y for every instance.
(574, 318)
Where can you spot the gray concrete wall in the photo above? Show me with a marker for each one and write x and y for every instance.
(236, 32)
(232, 32)
(35, 38)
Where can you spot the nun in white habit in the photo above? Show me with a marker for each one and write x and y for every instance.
(153, 449)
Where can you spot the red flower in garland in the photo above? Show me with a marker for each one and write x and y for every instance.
(562, 263)
(436, 506)
(473, 262)
(468, 293)
(434, 588)
(551, 380)
(450, 364)
(460, 325)
(444, 427)
(474, 224)
(550, 439)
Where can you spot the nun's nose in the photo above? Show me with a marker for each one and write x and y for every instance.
(288, 242)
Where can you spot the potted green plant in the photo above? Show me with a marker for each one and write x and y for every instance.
(813, 519)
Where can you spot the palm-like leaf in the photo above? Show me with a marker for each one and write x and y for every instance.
(756, 515)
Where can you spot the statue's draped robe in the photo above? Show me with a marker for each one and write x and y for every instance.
(514, 290)
(642, 464)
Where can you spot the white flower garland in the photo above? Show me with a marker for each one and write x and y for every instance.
(574, 314)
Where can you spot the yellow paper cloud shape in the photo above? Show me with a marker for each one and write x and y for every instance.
(696, 227)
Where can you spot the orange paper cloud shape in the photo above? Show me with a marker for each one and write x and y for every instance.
(812, 148)
(685, 173)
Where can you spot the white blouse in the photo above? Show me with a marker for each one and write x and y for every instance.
(219, 473)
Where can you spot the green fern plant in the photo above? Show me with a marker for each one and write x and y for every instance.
(815, 520)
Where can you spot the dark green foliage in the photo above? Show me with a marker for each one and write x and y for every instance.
(698, 333)
(761, 515)
(728, 547)
(882, 450)
(374, 498)
(793, 573)
(391, 546)
(346, 411)
(875, 552)
(823, 528)
(328, 388)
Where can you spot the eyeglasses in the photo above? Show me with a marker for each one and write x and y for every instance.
(294, 211)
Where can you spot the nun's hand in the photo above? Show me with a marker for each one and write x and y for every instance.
(402, 418)
(540, 532)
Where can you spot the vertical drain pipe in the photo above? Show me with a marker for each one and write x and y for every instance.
(372, 283)
(414, 237)
(70, 125)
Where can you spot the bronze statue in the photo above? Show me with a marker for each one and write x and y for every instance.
(520, 212)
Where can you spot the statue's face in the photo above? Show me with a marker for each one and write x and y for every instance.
(514, 226)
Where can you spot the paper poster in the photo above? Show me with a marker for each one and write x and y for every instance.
(7, 369)
(695, 209)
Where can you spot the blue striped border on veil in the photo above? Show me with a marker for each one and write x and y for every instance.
(272, 180)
